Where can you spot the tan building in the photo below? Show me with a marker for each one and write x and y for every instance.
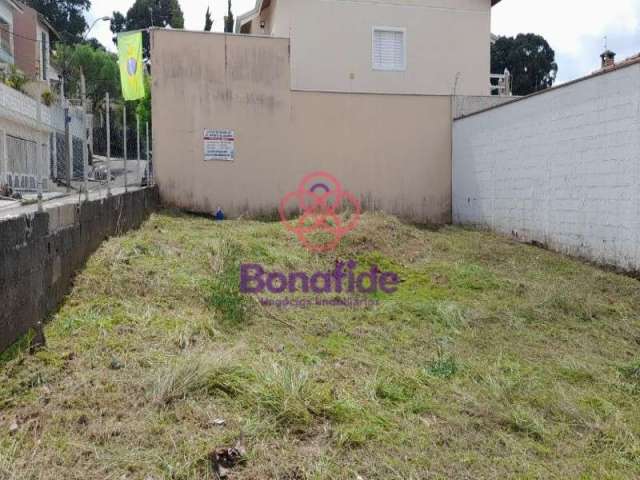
(424, 47)
(362, 90)
(33, 44)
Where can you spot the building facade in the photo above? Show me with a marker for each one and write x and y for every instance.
(363, 90)
(33, 136)
(417, 47)
(32, 142)
(8, 10)
(33, 45)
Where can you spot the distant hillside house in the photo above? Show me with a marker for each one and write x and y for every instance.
(33, 43)
(426, 47)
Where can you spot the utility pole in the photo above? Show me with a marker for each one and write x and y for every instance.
(108, 102)
(85, 140)
(149, 182)
(67, 146)
(124, 129)
(138, 162)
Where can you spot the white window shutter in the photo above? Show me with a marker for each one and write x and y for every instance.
(389, 49)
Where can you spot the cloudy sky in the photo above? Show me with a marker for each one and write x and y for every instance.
(574, 28)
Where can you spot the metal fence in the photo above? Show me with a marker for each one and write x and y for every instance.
(122, 145)
(25, 163)
(62, 148)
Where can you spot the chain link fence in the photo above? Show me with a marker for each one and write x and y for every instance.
(122, 138)
(58, 149)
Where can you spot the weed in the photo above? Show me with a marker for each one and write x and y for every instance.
(395, 389)
(474, 277)
(631, 376)
(291, 396)
(196, 375)
(18, 348)
(225, 296)
(523, 420)
(443, 367)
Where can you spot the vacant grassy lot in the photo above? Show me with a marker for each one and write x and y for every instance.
(493, 360)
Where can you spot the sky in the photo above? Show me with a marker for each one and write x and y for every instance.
(575, 29)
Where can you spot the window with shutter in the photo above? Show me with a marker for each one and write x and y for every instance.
(389, 49)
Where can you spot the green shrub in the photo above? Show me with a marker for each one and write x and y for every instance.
(225, 296)
(445, 367)
(48, 98)
(15, 79)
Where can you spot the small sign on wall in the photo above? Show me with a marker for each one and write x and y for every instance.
(219, 145)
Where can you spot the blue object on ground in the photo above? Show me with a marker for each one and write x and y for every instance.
(219, 215)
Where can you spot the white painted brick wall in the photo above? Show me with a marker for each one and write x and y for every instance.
(561, 168)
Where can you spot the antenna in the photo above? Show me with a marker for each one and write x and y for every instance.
(605, 43)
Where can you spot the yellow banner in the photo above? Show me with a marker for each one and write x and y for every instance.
(131, 65)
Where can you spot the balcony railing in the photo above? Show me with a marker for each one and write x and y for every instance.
(501, 84)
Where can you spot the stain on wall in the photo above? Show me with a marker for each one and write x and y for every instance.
(393, 150)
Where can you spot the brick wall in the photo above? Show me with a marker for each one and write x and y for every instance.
(561, 168)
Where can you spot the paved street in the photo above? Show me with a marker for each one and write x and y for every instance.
(134, 174)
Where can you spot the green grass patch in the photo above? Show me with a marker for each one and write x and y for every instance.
(492, 360)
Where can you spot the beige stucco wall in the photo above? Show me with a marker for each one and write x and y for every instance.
(394, 151)
(331, 43)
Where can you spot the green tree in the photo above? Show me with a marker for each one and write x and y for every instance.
(143, 108)
(228, 20)
(66, 16)
(208, 21)
(530, 60)
(99, 66)
(102, 75)
(148, 13)
(94, 43)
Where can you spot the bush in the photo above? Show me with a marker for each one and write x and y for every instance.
(48, 98)
(15, 79)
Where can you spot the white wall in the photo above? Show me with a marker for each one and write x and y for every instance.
(561, 168)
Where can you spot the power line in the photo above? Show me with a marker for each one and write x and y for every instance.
(19, 36)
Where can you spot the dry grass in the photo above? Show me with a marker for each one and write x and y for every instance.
(493, 360)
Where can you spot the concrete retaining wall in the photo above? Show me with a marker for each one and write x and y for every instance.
(40, 253)
(561, 168)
